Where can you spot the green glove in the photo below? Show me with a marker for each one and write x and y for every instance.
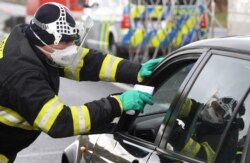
(135, 100)
(148, 67)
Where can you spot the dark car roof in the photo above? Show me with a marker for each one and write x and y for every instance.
(236, 43)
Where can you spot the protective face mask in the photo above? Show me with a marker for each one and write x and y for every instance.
(208, 114)
(63, 57)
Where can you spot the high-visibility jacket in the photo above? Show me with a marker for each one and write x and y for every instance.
(29, 87)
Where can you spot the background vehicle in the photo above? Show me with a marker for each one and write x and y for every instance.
(199, 71)
(140, 30)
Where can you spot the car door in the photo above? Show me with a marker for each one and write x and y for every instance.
(135, 137)
(209, 121)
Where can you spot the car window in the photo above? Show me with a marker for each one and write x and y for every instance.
(147, 123)
(165, 94)
(208, 108)
(234, 142)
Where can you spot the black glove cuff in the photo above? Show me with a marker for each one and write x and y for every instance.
(115, 106)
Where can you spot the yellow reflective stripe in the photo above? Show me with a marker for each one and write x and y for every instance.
(161, 35)
(81, 119)
(136, 11)
(189, 24)
(87, 118)
(106, 36)
(209, 151)
(239, 153)
(76, 123)
(11, 118)
(137, 38)
(157, 12)
(109, 68)
(119, 102)
(73, 72)
(186, 108)
(139, 78)
(191, 148)
(48, 114)
(114, 68)
(3, 159)
(102, 34)
(2, 44)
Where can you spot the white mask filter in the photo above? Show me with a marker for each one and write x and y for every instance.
(65, 56)
(208, 115)
(62, 57)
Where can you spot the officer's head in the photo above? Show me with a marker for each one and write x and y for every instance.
(54, 31)
(52, 23)
(218, 110)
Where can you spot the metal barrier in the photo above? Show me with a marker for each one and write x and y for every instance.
(160, 26)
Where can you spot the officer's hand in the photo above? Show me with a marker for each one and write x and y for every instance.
(148, 67)
(135, 100)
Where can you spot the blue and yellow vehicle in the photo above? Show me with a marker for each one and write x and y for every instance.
(127, 28)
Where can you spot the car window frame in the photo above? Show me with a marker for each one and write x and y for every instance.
(244, 56)
(179, 56)
(177, 105)
(241, 101)
(179, 99)
(246, 151)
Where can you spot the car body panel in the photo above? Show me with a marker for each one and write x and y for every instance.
(73, 152)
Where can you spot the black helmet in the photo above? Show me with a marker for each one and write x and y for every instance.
(217, 110)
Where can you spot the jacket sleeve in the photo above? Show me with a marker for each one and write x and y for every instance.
(34, 100)
(92, 65)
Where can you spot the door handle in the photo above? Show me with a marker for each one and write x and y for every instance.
(83, 149)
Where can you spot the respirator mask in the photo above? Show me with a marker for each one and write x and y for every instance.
(216, 110)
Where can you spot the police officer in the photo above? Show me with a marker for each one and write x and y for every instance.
(33, 57)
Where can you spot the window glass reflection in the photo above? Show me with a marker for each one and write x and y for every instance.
(235, 140)
(165, 94)
(209, 106)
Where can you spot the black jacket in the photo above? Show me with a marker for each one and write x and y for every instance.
(28, 93)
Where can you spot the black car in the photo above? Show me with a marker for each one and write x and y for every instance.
(201, 111)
